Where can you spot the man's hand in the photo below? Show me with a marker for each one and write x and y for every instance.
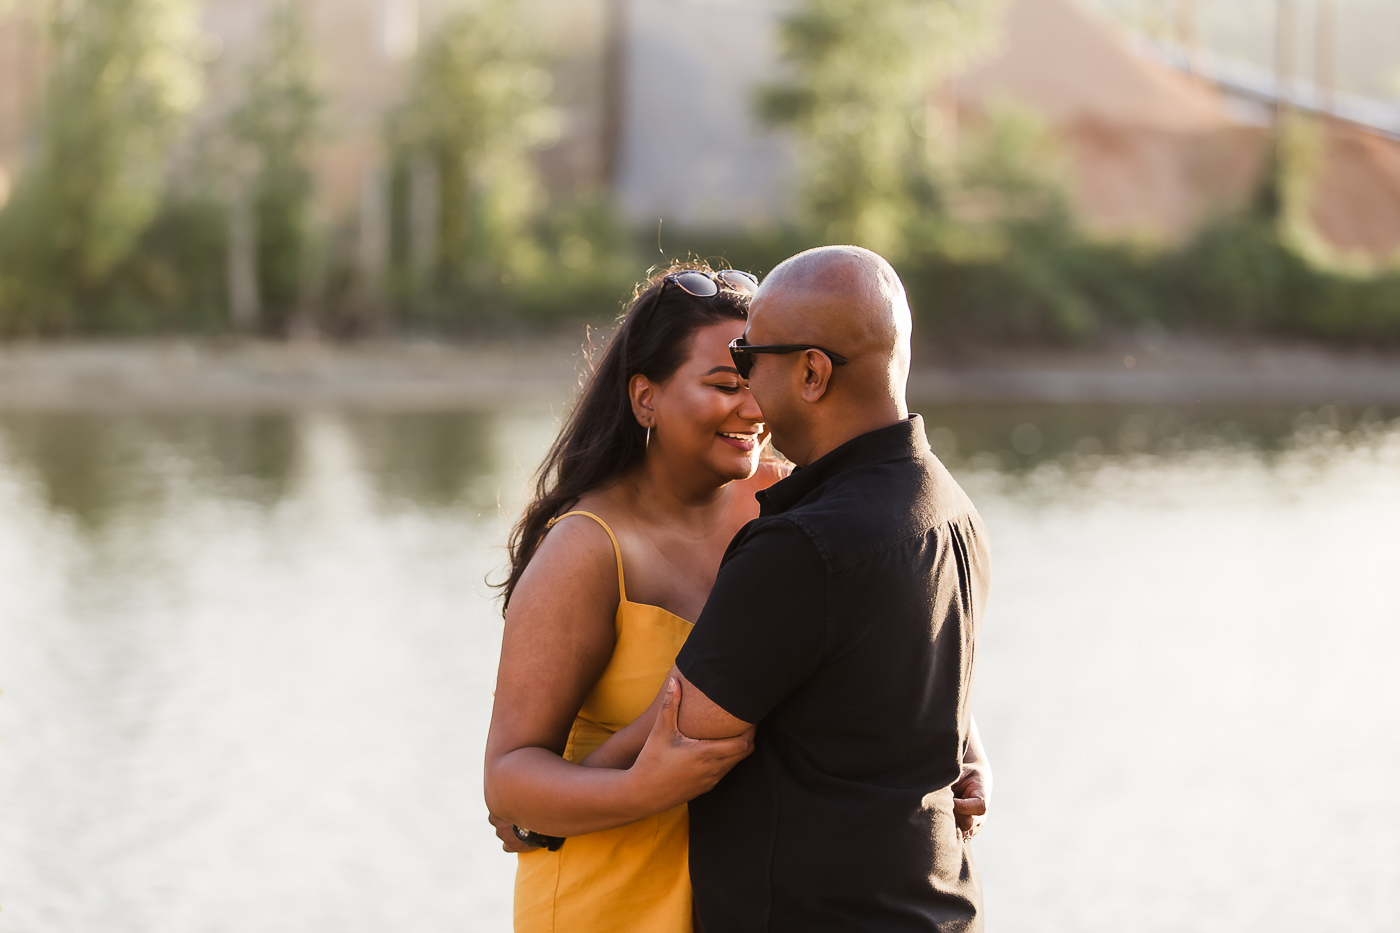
(673, 768)
(973, 789)
(970, 801)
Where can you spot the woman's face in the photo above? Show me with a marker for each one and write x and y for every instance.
(705, 414)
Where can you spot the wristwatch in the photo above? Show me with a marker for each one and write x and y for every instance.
(538, 840)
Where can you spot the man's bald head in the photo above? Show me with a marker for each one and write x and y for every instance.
(850, 301)
(845, 298)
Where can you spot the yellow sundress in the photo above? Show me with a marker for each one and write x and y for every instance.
(634, 878)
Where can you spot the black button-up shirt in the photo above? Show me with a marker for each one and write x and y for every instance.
(844, 622)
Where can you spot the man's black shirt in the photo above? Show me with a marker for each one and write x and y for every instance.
(843, 621)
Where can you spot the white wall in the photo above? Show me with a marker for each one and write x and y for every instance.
(693, 154)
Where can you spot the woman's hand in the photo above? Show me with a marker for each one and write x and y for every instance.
(673, 768)
(505, 831)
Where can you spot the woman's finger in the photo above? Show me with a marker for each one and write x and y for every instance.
(668, 717)
(724, 749)
(510, 842)
(505, 831)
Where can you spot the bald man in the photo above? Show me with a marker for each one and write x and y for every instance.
(844, 624)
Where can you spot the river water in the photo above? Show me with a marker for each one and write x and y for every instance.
(247, 663)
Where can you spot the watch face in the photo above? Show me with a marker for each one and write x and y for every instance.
(538, 840)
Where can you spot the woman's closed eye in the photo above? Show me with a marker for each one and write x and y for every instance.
(728, 388)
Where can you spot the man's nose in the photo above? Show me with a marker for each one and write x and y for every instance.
(748, 408)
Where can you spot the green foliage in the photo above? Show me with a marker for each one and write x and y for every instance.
(273, 129)
(125, 78)
(861, 93)
(589, 260)
(1243, 275)
(102, 236)
(174, 278)
(984, 236)
(999, 257)
(475, 109)
(980, 226)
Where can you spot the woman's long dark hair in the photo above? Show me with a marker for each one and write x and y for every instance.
(601, 439)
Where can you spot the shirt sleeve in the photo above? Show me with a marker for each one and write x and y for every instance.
(761, 633)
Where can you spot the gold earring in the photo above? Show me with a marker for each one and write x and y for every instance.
(648, 446)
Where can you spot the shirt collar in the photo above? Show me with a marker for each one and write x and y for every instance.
(900, 441)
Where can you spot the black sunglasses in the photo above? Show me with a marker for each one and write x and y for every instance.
(742, 352)
(701, 285)
(707, 284)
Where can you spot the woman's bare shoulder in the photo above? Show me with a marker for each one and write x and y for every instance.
(576, 557)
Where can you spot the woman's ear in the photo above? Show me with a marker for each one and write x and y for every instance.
(639, 389)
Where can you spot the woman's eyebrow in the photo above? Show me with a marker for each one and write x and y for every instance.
(722, 369)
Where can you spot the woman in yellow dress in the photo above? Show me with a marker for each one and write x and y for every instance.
(653, 473)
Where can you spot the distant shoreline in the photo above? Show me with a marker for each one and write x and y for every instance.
(193, 375)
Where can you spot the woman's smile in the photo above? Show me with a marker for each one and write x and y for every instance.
(743, 441)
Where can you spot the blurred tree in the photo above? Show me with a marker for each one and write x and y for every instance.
(125, 75)
(463, 137)
(863, 91)
(274, 127)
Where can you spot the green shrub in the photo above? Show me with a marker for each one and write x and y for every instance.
(125, 77)
(466, 130)
(272, 129)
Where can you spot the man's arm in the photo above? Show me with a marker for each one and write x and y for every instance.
(700, 718)
(703, 718)
(757, 640)
(671, 750)
(761, 634)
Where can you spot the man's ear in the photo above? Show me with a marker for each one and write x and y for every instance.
(639, 389)
(816, 375)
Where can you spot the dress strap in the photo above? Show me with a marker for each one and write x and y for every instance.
(621, 585)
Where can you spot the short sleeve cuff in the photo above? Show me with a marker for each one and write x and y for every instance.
(720, 691)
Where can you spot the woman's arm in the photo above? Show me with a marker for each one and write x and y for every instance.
(623, 746)
(558, 639)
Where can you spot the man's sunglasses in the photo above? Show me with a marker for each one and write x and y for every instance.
(742, 352)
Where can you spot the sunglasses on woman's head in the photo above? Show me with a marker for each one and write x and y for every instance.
(742, 352)
(701, 285)
(707, 284)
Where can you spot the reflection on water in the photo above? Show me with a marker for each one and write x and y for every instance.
(93, 467)
(247, 662)
(1018, 437)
